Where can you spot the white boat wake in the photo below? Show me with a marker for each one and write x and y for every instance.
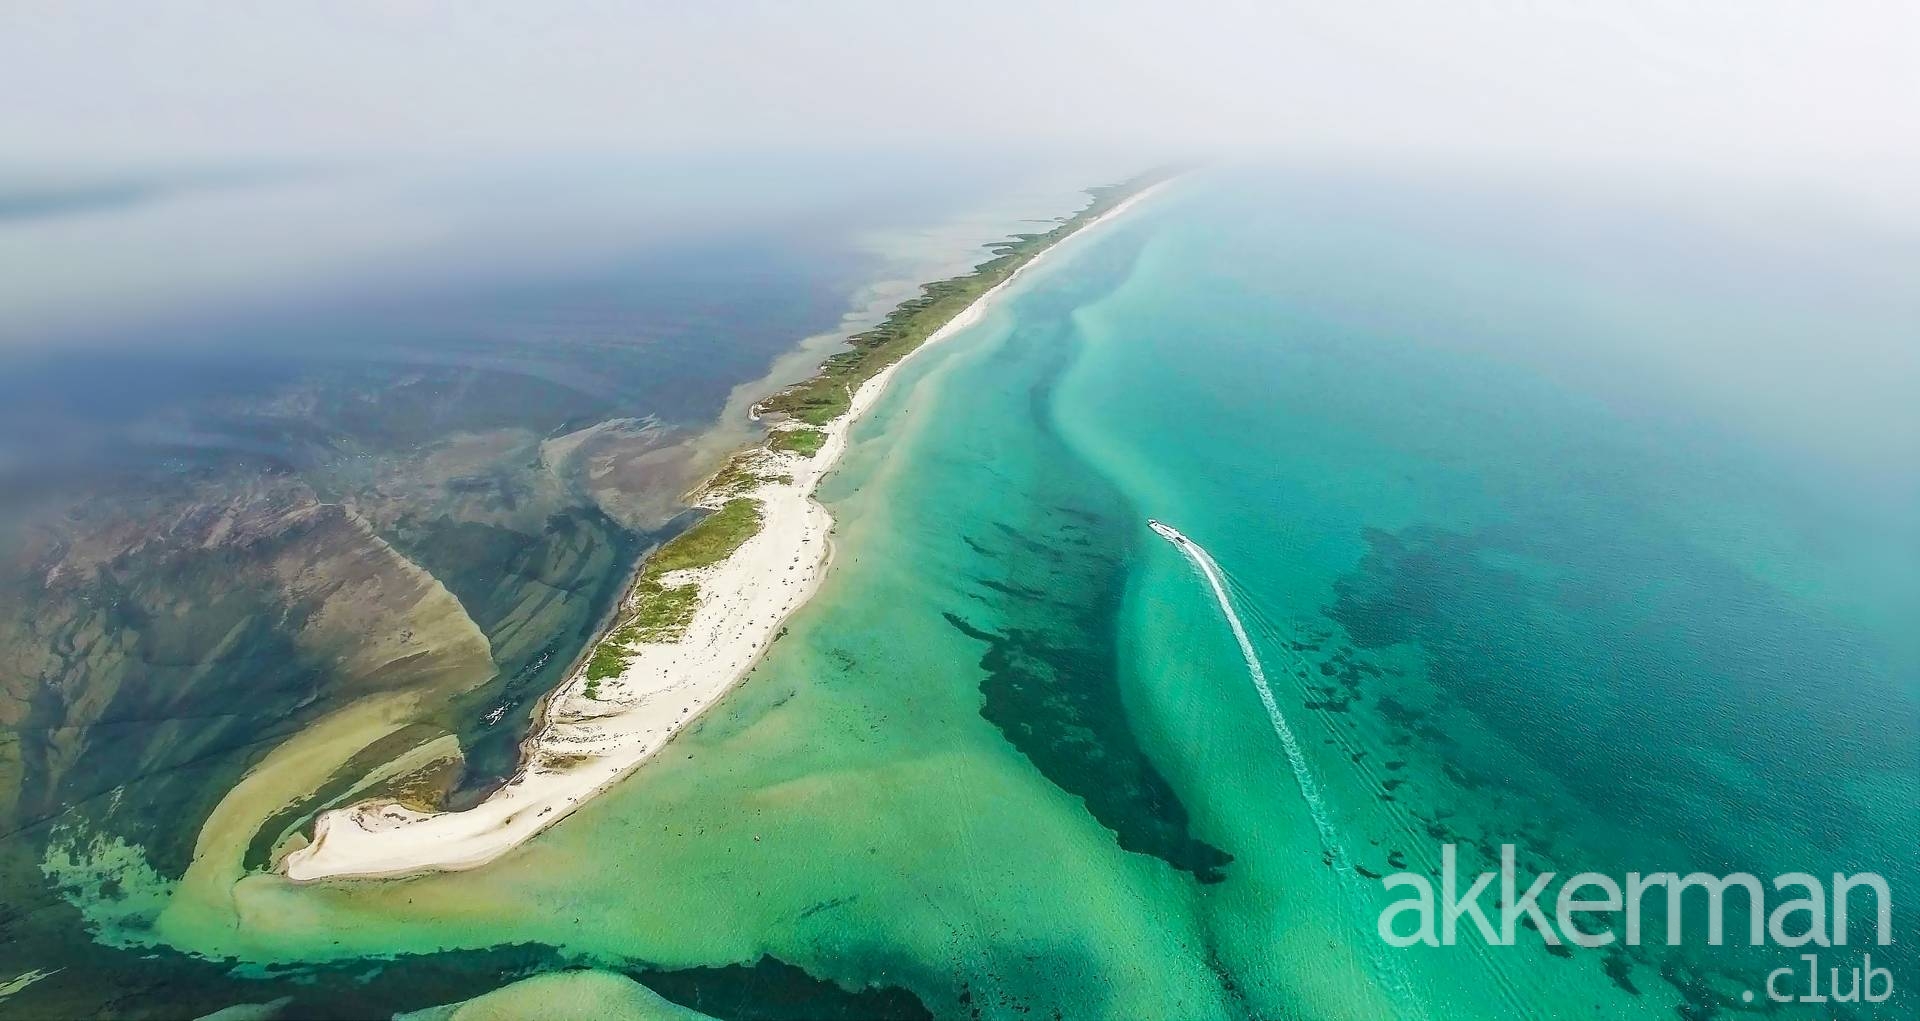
(1393, 976)
(1296, 758)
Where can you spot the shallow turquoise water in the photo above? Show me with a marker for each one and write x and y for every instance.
(1512, 497)
(1580, 525)
(1572, 524)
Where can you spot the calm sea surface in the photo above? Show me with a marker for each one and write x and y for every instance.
(359, 457)
(1585, 525)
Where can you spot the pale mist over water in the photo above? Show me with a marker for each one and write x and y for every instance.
(214, 156)
(135, 288)
(1793, 95)
(336, 328)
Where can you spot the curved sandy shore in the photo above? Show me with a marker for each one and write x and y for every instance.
(587, 744)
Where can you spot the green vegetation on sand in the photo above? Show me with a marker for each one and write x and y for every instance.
(736, 476)
(827, 395)
(710, 541)
(662, 612)
(658, 612)
(805, 442)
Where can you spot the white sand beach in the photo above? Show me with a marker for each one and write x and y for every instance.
(584, 745)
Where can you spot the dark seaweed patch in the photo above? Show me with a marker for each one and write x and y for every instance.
(1619, 968)
(772, 990)
(1059, 706)
(165, 983)
(1051, 680)
(1009, 589)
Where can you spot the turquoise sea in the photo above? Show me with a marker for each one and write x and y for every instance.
(1580, 522)
(1582, 525)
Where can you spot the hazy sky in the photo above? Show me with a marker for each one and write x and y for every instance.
(1821, 90)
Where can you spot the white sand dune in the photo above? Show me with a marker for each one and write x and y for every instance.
(584, 745)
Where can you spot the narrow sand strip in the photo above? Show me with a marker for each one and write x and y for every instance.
(586, 744)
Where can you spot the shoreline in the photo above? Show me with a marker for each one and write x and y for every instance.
(591, 734)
